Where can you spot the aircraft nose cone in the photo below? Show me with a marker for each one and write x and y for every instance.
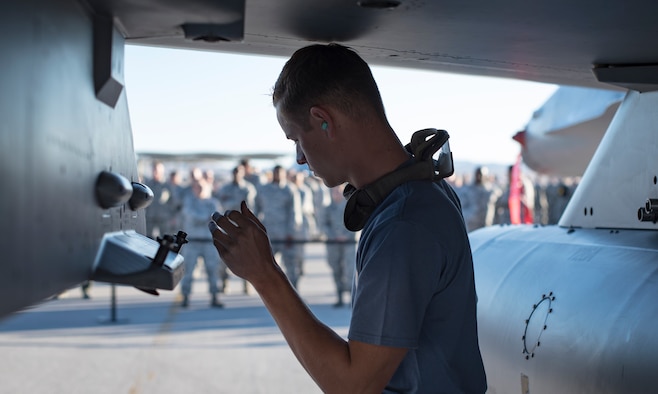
(520, 137)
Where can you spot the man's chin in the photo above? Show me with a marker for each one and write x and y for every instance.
(330, 184)
(326, 183)
(315, 174)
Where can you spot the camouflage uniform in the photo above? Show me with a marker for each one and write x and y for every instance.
(321, 200)
(502, 215)
(558, 196)
(280, 212)
(230, 196)
(478, 205)
(159, 213)
(196, 213)
(308, 229)
(341, 257)
(541, 204)
(174, 207)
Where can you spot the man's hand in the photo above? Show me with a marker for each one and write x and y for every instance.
(242, 243)
(336, 365)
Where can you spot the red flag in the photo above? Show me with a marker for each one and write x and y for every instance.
(518, 211)
(515, 191)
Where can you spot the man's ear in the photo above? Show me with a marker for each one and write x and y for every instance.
(321, 118)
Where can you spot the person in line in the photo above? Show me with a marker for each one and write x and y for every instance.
(280, 210)
(413, 327)
(159, 212)
(308, 230)
(321, 196)
(341, 244)
(523, 204)
(478, 201)
(231, 195)
(175, 201)
(196, 205)
(251, 174)
(558, 194)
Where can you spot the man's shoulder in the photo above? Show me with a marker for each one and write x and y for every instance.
(423, 203)
(418, 192)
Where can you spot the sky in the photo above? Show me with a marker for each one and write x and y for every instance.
(184, 101)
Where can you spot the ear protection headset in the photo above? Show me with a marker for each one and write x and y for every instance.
(361, 203)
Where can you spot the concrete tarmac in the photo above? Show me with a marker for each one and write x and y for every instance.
(149, 344)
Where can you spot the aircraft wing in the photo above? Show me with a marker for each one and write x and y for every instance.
(559, 42)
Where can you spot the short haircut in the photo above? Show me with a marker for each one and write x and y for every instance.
(329, 74)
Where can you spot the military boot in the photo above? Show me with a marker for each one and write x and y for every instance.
(215, 303)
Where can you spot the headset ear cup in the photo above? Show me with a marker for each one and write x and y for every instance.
(350, 218)
(358, 209)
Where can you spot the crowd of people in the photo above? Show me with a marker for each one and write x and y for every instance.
(488, 200)
(296, 208)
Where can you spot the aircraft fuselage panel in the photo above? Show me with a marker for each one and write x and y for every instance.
(56, 137)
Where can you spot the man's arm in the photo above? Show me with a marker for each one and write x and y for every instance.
(335, 365)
